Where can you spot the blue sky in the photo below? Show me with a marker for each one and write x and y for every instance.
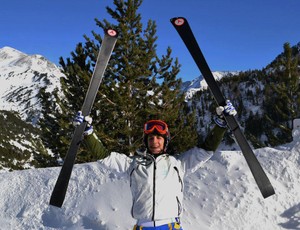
(233, 34)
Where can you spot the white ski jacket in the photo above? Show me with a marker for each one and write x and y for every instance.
(157, 184)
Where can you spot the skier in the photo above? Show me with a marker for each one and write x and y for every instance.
(156, 177)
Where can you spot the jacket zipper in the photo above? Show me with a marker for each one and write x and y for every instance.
(130, 186)
(154, 188)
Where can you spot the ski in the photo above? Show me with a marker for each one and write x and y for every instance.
(184, 30)
(106, 49)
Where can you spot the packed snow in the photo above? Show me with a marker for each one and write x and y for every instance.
(220, 195)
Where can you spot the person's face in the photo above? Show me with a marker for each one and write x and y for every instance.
(155, 143)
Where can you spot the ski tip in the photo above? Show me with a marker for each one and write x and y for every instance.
(56, 203)
(57, 197)
(269, 191)
(178, 21)
(111, 32)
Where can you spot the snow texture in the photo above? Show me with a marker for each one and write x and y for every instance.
(220, 195)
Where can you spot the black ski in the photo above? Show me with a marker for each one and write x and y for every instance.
(186, 34)
(60, 189)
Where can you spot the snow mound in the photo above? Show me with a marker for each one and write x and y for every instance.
(221, 195)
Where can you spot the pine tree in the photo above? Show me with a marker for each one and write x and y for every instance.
(291, 76)
(137, 85)
(284, 91)
(134, 89)
(170, 106)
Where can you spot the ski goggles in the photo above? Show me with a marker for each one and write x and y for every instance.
(159, 125)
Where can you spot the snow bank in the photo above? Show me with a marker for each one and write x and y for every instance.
(221, 195)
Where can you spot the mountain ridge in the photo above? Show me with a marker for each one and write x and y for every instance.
(35, 67)
(190, 88)
(21, 78)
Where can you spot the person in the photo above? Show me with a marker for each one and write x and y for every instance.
(156, 176)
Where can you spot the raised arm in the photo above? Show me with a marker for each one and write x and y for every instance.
(196, 157)
(95, 146)
(90, 140)
(213, 139)
(215, 136)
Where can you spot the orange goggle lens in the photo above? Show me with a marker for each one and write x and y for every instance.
(159, 125)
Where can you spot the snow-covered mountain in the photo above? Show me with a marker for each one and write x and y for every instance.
(191, 87)
(221, 195)
(22, 77)
(29, 88)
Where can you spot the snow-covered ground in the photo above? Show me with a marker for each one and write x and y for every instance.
(221, 195)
